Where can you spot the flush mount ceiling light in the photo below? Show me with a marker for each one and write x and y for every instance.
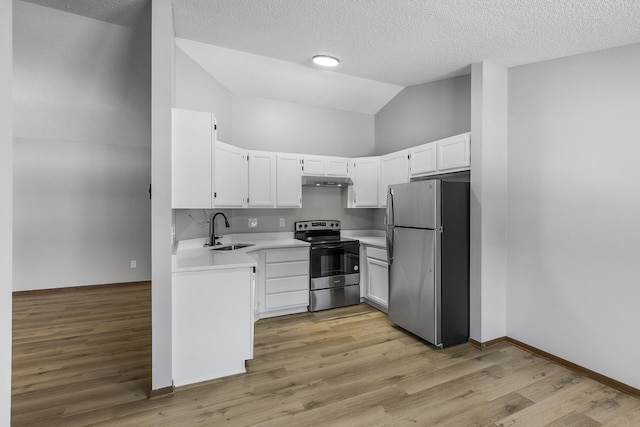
(325, 60)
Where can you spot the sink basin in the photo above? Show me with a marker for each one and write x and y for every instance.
(233, 247)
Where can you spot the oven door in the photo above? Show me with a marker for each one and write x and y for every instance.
(335, 265)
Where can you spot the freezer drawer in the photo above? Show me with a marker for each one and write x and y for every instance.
(334, 297)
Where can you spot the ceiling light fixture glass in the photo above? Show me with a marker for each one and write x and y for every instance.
(325, 60)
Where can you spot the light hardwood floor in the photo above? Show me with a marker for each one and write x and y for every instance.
(82, 357)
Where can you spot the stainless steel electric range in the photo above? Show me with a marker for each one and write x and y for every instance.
(333, 264)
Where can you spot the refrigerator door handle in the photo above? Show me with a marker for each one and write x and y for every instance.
(389, 244)
(390, 227)
(390, 219)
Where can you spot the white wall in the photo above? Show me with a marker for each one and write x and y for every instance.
(198, 90)
(574, 209)
(6, 208)
(82, 150)
(424, 113)
(272, 125)
(488, 204)
(163, 98)
(267, 124)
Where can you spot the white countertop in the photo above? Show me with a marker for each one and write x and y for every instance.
(368, 237)
(192, 255)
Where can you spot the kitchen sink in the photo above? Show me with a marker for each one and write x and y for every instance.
(233, 247)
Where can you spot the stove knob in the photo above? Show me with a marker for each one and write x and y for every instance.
(305, 226)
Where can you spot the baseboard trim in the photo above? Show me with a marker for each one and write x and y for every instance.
(483, 345)
(81, 287)
(162, 392)
(575, 367)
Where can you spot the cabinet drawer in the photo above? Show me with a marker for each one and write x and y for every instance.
(287, 284)
(377, 253)
(285, 269)
(282, 255)
(287, 299)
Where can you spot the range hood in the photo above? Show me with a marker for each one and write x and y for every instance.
(326, 181)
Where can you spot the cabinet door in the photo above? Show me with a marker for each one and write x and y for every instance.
(454, 153)
(378, 282)
(192, 136)
(422, 159)
(337, 166)
(365, 186)
(288, 182)
(314, 165)
(262, 179)
(394, 169)
(212, 321)
(230, 176)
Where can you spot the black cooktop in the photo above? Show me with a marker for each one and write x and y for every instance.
(319, 232)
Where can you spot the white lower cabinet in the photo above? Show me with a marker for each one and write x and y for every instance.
(377, 277)
(212, 323)
(283, 281)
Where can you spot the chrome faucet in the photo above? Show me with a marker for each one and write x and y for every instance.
(212, 228)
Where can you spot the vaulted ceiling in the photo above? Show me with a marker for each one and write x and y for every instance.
(264, 47)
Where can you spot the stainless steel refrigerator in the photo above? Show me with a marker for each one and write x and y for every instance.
(428, 249)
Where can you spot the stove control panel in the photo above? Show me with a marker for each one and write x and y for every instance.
(317, 225)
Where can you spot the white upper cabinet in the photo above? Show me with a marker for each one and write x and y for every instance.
(337, 166)
(446, 155)
(422, 159)
(394, 169)
(325, 166)
(289, 180)
(314, 165)
(192, 139)
(206, 173)
(364, 191)
(230, 176)
(454, 153)
(262, 179)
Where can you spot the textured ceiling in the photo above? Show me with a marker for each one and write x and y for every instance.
(407, 42)
(263, 47)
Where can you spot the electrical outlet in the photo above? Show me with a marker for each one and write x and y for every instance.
(253, 222)
(133, 263)
(282, 222)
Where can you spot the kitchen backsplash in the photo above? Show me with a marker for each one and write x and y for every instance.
(317, 203)
(379, 218)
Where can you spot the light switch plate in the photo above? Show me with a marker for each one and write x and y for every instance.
(282, 222)
(253, 222)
